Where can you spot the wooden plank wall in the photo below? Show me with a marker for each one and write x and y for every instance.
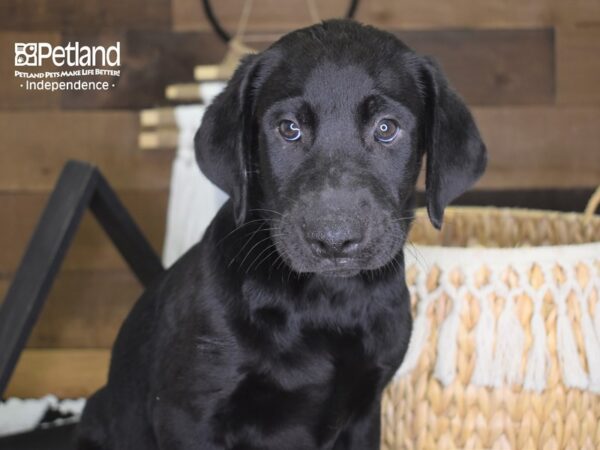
(530, 70)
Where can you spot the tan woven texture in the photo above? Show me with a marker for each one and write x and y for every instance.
(420, 412)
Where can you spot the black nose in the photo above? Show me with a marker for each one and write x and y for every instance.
(334, 240)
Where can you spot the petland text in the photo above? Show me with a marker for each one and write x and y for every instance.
(34, 54)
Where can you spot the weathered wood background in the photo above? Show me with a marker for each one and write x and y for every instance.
(530, 70)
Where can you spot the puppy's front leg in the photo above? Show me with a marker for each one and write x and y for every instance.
(363, 434)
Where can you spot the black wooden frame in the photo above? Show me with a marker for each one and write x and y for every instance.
(80, 186)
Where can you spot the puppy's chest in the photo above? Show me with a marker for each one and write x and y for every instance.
(323, 340)
(323, 359)
(321, 382)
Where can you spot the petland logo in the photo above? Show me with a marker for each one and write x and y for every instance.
(34, 54)
(73, 67)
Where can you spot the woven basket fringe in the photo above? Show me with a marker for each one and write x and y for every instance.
(484, 335)
(597, 315)
(573, 373)
(509, 346)
(499, 342)
(538, 359)
(505, 349)
(445, 368)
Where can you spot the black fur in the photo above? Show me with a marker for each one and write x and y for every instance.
(280, 329)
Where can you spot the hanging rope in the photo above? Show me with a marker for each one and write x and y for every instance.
(226, 37)
(243, 22)
(313, 11)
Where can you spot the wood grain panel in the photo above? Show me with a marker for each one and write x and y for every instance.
(493, 67)
(578, 66)
(488, 67)
(66, 15)
(35, 146)
(541, 146)
(151, 60)
(91, 248)
(85, 309)
(70, 373)
(576, 13)
(268, 15)
(12, 95)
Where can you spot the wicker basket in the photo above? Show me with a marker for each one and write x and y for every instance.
(505, 350)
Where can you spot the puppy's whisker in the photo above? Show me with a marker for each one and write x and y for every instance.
(246, 243)
(238, 228)
(408, 218)
(268, 247)
(283, 255)
(254, 246)
(411, 248)
(277, 261)
(398, 267)
(265, 210)
(289, 274)
(421, 259)
(270, 268)
(266, 257)
(416, 255)
(397, 219)
(282, 263)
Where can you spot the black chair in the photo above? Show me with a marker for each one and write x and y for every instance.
(80, 186)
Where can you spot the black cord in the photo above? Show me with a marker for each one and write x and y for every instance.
(217, 28)
(226, 37)
(352, 9)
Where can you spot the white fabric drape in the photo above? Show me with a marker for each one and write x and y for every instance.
(193, 199)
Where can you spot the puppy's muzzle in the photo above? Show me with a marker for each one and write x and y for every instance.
(334, 237)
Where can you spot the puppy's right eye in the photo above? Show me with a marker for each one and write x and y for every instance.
(386, 131)
(289, 130)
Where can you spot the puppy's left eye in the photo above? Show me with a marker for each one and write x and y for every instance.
(386, 130)
(289, 130)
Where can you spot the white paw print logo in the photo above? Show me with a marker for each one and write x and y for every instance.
(25, 54)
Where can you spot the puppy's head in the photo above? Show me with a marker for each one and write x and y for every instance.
(323, 135)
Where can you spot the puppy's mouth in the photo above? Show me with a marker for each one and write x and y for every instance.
(341, 267)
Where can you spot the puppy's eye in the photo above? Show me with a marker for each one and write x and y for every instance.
(289, 130)
(386, 130)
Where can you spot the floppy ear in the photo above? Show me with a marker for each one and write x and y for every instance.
(223, 141)
(456, 155)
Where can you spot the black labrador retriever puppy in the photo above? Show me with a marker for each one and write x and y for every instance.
(281, 328)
